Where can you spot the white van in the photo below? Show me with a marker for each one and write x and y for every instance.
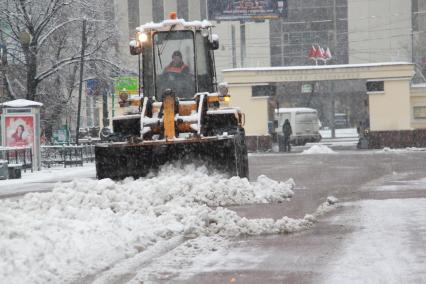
(304, 124)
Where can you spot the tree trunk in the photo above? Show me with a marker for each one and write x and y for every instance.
(3, 68)
(31, 76)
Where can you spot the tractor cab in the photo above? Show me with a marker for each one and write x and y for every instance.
(176, 55)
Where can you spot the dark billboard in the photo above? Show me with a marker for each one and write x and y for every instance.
(247, 9)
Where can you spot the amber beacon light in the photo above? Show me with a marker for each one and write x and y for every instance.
(173, 15)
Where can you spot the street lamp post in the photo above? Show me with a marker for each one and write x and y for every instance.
(80, 88)
(26, 40)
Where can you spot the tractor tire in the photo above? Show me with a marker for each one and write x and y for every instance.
(241, 156)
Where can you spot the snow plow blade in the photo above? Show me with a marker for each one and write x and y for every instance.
(118, 161)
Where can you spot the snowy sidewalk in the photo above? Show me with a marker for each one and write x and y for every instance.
(45, 179)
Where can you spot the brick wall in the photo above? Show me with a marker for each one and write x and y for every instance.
(397, 139)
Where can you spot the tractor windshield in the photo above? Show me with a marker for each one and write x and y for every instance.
(174, 63)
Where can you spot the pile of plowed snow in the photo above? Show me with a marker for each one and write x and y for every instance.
(85, 226)
(319, 149)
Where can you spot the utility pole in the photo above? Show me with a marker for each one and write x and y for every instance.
(80, 88)
(414, 27)
(333, 84)
(105, 114)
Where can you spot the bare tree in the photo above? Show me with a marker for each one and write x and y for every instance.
(44, 39)
(46, 34)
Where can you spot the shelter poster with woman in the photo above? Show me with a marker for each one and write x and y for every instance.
(19, 131)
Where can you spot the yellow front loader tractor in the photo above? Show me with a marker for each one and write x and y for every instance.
(183, 114)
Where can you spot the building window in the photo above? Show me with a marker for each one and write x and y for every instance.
(419, 112)
(263, 91)
(295, 38)
(375, 86)
(285, 38)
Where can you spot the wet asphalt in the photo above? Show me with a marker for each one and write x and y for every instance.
(305, 256)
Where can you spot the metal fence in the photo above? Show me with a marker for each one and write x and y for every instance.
(18, 155)
(67, 155)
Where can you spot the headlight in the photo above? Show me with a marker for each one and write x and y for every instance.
(142, 37)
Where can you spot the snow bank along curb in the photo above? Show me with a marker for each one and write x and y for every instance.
(400, 150)
(86, 226)
(319, 149)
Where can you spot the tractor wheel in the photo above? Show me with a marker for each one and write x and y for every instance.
(241, 156)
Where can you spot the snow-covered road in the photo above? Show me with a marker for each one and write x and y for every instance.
(191, 225)
(86, 226)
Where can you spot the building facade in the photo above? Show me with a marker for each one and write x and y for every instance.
(355, 31)
(310, 23)
(380, 31)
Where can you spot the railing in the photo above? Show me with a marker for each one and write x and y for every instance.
(67, 155)
(88, 153)
(18, 155)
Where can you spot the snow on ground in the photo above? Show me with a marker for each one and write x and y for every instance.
(400, 150)
(52, 174)
(203, 254)
(319, 149)
(46, 175)
(403, 185)
(206, 254)
(387, 245)
(85, 226)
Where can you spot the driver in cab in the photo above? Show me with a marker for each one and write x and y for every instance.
(177, 65)
(177, 76)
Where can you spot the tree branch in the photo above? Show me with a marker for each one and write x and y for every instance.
(27, 18)
(49, 33)
(48, 17)
(68, 61)
(9, 88)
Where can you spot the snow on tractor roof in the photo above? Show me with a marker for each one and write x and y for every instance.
(180, 24)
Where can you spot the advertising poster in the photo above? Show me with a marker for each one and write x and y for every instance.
(247, 9)
(19, 131)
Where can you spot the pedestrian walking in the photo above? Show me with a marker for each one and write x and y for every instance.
(287, 132)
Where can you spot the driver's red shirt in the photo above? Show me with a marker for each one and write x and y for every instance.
(177, 69)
